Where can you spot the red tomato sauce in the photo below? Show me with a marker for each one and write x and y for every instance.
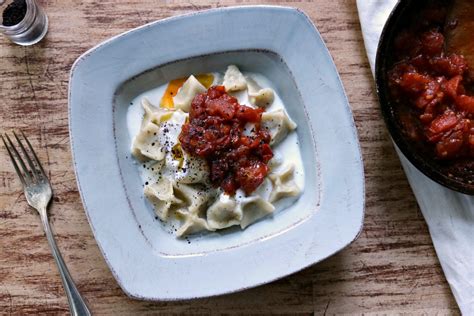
(436, 87)
(215, 132)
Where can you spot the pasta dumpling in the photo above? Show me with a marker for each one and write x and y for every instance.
(156, 115)
(187, 92)
(253, 208)
(157, 138)
(234, 80)
(223, 212)
(151, 112)
(283, 184)
(278, 124)
(148, 144)
(192, 224)
(194, 196)
(258, 96)
(256, 205)
(161, 196)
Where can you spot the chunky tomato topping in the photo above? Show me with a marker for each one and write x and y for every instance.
(434, 85)
(228, 135)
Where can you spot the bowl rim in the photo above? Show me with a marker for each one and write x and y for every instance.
(423, 165)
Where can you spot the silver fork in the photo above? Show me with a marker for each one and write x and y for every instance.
(38, 194)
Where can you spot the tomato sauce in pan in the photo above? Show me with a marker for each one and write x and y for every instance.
(435, 85)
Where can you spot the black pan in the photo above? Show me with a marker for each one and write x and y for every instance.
(458, 176)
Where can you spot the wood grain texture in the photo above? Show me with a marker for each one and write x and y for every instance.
(392, 268)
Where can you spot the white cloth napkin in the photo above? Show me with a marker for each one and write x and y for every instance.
(450, 215)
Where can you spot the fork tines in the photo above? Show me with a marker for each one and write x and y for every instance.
(34, 172)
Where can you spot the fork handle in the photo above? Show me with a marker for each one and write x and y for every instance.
(76, 303)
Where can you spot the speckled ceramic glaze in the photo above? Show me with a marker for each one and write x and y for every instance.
(281, 43)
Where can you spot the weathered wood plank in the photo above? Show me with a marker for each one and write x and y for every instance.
(391, 268)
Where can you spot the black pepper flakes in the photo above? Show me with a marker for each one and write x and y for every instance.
(14, 13)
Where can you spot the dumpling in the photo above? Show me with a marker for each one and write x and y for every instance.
(283, 184)
(263, 98)
(195, 196)
(161, 195)
(150, 111)
(147, 144)
(234, 80)
(192, 224)
(158, 137)
(223, 212)
(155, 168)
(278, 124)
(253, 208)
(187, 92)
(258, 96)
(156, 115)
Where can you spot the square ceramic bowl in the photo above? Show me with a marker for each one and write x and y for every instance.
(280, 43)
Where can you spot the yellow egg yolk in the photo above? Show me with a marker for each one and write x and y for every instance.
(167, 100)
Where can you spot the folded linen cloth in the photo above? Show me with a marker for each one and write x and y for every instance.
(450, 215)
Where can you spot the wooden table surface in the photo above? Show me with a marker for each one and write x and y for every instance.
(391, 268)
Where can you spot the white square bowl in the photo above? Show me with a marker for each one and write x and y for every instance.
(279, 42)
